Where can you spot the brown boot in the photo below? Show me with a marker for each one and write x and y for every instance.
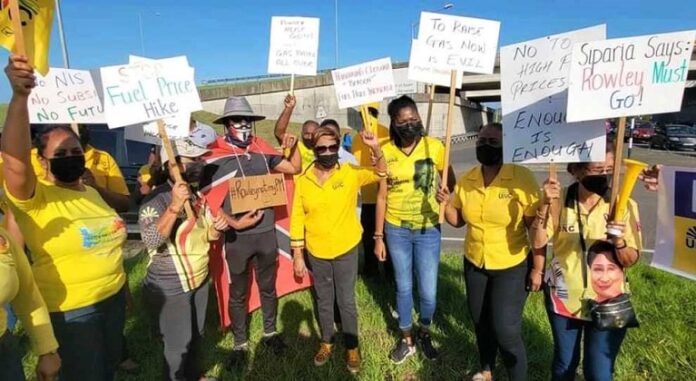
(353, 360)
(323, 355)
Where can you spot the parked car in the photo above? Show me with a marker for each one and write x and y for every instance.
(642, 133)
(674, 137)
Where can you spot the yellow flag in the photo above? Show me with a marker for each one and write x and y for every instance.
(37, 20)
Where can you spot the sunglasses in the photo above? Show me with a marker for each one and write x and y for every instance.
(238, 122)
(322, 149)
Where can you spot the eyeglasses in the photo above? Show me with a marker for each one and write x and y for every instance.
(322, 149)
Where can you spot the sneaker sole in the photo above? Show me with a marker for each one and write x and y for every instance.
(411, 353)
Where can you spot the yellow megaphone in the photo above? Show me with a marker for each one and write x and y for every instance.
(633, 169)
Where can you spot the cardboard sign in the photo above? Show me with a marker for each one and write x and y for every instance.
(147, 91)
(675, 238)
(459, 43)
(65, 96)
(257, 192)
(629, 76)
(364, 83)
(534, 94)
(294, 45)
(420, 70)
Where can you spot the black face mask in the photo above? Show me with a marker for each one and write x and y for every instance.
(307, 142)
(68, 169)
(598, 184)
(194, 172)
(405, 134)
(327, 161)
(489, 155)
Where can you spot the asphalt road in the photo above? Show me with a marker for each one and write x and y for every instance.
(463, 157)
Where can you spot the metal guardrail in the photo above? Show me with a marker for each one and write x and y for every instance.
(462, 138)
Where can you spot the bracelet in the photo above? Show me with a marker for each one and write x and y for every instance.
(378, 236)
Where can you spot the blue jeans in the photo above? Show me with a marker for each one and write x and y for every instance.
(419, 249)
(599, 353)
(11, 318)
(90, 339)
(10, 358)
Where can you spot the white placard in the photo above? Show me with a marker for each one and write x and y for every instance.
(629, 76)
(65, 96)
(364, 83)
(136, 133)
(420, 70)
(459, 43)
(294, 45)
(147, 91)
(404, 85)
(534, 95)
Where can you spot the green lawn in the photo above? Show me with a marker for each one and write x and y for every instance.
(664, 348)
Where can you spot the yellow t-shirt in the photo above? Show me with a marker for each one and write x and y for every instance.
(496, 236)
(17, 287)
(106, 172)
(324, 215)
(412, 182)
(564, 275)
(363, 154)
(75, 239)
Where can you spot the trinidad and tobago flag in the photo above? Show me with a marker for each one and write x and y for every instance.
(215, 194)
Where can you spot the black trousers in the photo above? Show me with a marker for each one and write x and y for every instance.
(181, 320)
(334, 291)
(261, 250)
(371, 265)
(496, 301)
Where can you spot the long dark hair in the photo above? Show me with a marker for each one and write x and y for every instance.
(395, 107)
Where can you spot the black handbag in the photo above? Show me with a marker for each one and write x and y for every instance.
(615, 313)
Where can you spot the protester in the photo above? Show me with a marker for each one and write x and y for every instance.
(323, 221)
(149, 173)
(581, 220)
(368, 194)
(498, 203)
(406, 201)
(344, 156)
(252, 235)
(17, 287)
(176, 285)
(75, 238)
(308, 128)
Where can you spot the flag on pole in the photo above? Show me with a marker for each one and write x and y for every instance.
(37, 22)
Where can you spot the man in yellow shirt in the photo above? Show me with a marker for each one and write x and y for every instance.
(308, 128)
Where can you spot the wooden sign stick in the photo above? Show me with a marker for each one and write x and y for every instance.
(448, 138)
(431, 97)
(552, 176)
(19, 47)
(618, 160)
(167, 145)
(292, 84)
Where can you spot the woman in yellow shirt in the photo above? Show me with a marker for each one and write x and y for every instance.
(74, 237)
(323, 217)
(17, 287)
(581, 222)
(498, 202)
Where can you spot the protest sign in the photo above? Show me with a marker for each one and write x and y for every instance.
(65, 96)
(419, 69)
(459, 43)
(364, 83)
(148, 90)
(534, 84)
(257, 192)
(294, 45)
(629, 76)
(675, 238)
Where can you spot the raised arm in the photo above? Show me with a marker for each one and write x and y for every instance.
(16, 141)
(281, 126)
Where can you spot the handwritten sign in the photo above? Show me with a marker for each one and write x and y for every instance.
(459, 43)
(364, 83)
(294, 45)
(147, 91)
(534, 95)
(629, 76)
(257, 192)
(419, 69)
(65, 96)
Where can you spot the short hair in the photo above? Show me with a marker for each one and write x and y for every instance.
(497, 126)
(41, 138)
(331, 123)
(399, 104)
(325, 131)
(574, 167)
(603, 247)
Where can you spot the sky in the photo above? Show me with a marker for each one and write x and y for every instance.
(229, 39)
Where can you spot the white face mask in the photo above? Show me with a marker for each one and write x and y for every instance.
(242, 134)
